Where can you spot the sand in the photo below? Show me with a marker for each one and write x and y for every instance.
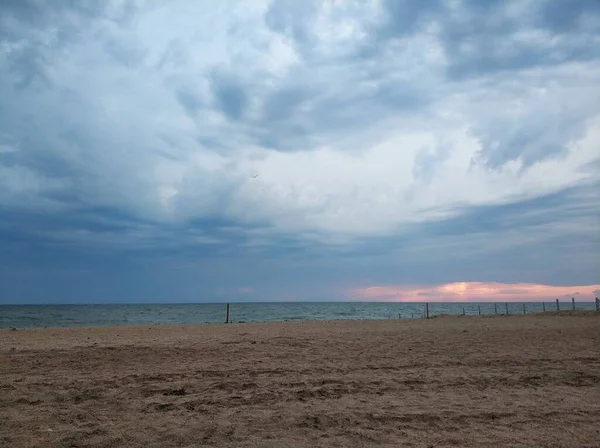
(465, 381)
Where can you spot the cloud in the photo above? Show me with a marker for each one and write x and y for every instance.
(244, 290)
(384, 130)
(466, 291)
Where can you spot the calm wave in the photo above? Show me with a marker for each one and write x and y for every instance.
(21, 316)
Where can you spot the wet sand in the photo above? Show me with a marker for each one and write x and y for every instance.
(457, 381)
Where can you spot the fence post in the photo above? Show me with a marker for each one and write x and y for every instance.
(544, 307)
(227, 314)
(524, 312)
(557, 305)
(573, 302)
(506, 304)
(495, 308)
(427, 309)
(597, 304)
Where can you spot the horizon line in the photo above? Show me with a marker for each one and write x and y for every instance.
(564, 300)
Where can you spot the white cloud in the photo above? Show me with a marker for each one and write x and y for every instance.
(333, 191)
(112, 118)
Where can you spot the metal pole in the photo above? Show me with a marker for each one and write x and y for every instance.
(524, 312)
(463, 310)
(573, 302)
(597, 304)
(427, 309)
(506, 304)
(557, 305)
(544, 307)
(479, 309)
(227, 314)
(495, 308)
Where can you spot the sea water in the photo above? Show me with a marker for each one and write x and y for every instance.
(21, 316)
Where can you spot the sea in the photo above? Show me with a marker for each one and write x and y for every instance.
(29, 316)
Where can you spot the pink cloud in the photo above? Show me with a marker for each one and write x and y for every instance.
(473, 292)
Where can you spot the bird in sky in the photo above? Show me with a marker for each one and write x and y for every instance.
(255, 176)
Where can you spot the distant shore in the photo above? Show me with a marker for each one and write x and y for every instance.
(462, 381)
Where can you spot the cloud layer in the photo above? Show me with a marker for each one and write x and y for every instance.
(475, 292)
(411, 135)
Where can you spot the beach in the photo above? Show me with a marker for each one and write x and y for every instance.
(510, 381)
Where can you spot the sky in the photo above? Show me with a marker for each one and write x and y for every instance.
(202, 151)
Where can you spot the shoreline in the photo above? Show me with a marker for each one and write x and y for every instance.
(562, 313)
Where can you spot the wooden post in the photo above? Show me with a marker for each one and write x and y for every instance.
(597, 304)
(427, 309)
(573, 302)
(479, 309)
(227, 314)
(524, 312)
(557, 305)
(506, 304)
(544, 307)
(495, 308)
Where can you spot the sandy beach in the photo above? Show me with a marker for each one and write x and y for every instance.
(517, 381)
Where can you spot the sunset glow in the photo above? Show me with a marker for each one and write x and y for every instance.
(475, 292)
